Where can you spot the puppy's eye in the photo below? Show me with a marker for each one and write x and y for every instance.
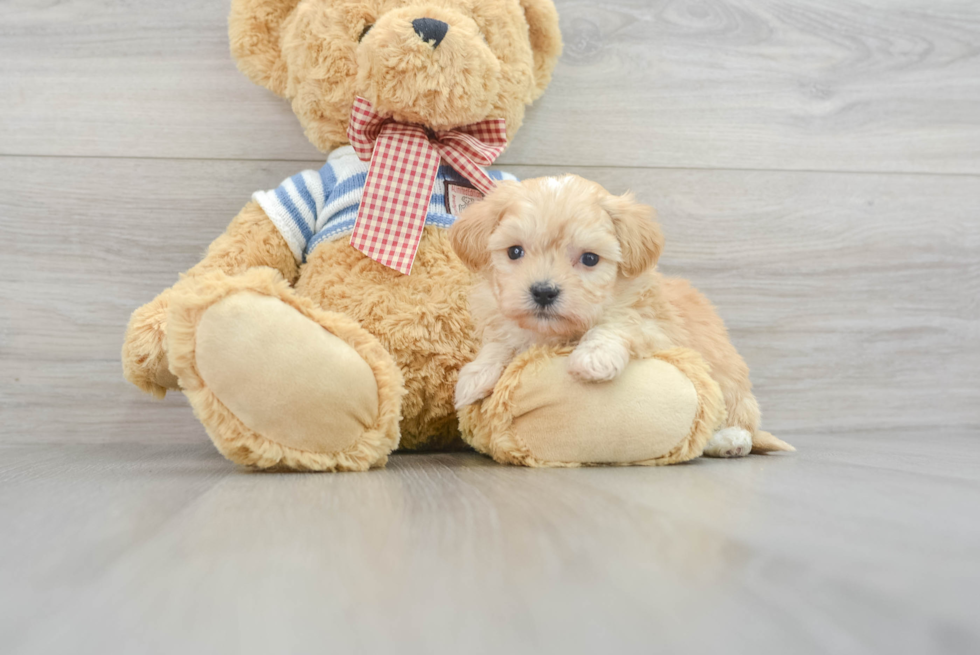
(515, 252)
(367, 28)
(590, 259)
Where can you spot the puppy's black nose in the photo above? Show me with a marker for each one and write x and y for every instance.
(544, 293)
(430, 29)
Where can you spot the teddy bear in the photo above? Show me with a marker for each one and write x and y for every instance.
(327, 325)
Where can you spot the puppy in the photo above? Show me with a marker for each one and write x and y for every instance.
(562, 261)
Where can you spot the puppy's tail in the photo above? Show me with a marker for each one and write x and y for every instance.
(763, 442)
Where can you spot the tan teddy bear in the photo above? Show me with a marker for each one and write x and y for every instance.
(298, 350)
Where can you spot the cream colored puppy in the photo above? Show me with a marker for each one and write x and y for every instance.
(562, 261)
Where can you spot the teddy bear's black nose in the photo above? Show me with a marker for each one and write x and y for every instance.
(430, 29)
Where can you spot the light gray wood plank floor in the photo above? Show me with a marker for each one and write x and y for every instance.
(816, 168)
(858, 545)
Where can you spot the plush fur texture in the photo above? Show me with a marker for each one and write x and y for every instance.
(493, 427)
(496, 57)
(597, 253)
(144, 354)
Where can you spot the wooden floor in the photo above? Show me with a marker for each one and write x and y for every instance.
(816, 167)
(860, 544)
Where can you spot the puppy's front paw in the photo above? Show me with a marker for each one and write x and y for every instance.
(595, 362)
(476, 382)
(729, 442)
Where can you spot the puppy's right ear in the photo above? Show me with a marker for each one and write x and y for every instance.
(470, 234)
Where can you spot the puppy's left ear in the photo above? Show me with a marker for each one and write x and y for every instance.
(470, 234)
(640, 238)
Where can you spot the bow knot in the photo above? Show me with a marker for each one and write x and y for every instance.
(404, 162)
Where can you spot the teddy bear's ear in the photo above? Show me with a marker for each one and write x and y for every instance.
(542, 19)
(253, 29)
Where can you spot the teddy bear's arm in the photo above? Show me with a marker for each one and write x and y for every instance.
(251, 240)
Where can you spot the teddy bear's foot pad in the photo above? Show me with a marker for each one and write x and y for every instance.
(284, 376)
(277, 381)
(659, 411)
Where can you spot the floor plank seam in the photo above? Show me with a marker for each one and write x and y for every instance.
(317, 162)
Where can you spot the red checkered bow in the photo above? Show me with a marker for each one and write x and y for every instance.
(404, 162)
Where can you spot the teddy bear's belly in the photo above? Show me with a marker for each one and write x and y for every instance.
(422, 319)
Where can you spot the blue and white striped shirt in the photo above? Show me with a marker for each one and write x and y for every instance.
(316, 206)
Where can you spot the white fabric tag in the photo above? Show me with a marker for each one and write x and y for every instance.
(459, 197)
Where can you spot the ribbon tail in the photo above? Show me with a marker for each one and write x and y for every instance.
(364, 128)
(396, 197)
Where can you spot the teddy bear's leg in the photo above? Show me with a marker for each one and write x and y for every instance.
(279, 382)
(660, 410)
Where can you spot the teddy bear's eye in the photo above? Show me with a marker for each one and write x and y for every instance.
(515, 252)
(367, 28)
(590, 259)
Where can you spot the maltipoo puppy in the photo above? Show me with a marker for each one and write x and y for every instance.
(562, 261)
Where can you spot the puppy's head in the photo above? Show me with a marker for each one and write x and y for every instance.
(553, 249)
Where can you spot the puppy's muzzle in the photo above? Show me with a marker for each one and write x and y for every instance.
(544, 293)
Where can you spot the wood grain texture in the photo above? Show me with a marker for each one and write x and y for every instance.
(854, 298)
(879, 85)
(850, 546)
